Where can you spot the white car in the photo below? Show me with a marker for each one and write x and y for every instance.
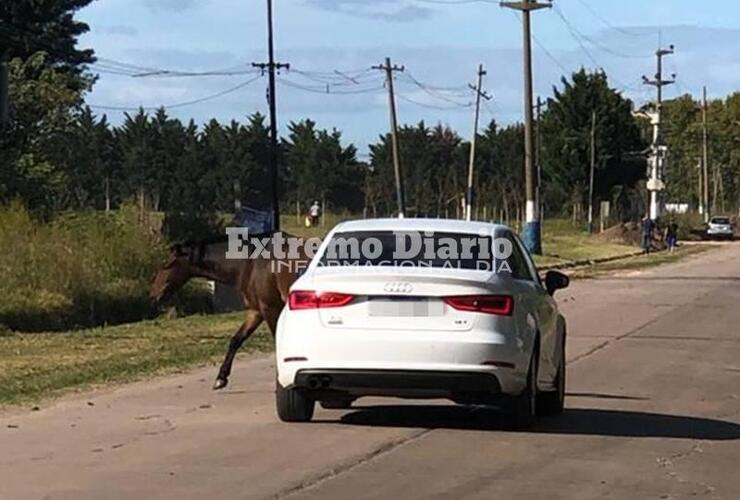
(720, 227)
(478, 328)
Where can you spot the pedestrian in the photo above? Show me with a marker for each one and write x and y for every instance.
(314, 212)
(671, 236)
(648, 226)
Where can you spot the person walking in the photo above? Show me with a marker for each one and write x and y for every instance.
(648, 226)
(314, 212)
(671, 236)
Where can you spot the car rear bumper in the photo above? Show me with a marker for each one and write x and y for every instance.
(464, 387)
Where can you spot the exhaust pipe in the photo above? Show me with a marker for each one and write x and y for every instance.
(313, 382)
(325, 381)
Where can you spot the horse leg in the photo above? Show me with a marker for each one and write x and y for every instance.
(271, 318)
(254, 318)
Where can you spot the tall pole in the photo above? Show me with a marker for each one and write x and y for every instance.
(656, 183)
(705, 155)
(479, 92)
(389, 69)
(591, 176)
(700, 191)
(272, 152)
(538, 160)
(532, 234)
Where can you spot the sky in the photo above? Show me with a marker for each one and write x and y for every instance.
(440, 43)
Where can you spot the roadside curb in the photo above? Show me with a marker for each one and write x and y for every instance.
(589, 262)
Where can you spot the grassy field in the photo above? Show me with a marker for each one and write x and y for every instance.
(562, 242)
(36, 366)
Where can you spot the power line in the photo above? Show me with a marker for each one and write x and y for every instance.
(577, 36)
(608, 24)
(432, 106)
(434, 93)
(179, 104)
(327, 88)
(337, 77)
(593, 42)
(543, 48)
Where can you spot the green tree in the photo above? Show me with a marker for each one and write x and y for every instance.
(29, 27)
(34, 142)
(566, 131)
(318, 166)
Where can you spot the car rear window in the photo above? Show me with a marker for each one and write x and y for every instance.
(720, 220)
(409, 249)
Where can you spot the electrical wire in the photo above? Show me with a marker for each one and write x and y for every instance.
(432, 106)
(429, 90)
(180, 104)
(576, 36)
(579, 34)
(337, 77)
(327, 89)
(608, 24)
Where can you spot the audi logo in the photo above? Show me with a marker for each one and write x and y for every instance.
(398, 287)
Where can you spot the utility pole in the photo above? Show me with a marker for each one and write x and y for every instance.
(705, 155)
(479, 92)
(591, 176)
(656, 183)
(532, 234)
(700, 192)
(272, 67)
(538, 160)
(389, 69)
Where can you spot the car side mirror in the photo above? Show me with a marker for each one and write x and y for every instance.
(555, 281)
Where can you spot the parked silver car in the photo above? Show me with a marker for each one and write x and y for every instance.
(720, 228)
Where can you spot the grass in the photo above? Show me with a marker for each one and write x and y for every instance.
(38, 366)
(563, 242)
(79, 269)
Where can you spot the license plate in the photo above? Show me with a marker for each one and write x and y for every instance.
(404, 307)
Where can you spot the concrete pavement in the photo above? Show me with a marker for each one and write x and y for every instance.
(653, 412)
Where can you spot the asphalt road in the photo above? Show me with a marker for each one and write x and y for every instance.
(653, 412)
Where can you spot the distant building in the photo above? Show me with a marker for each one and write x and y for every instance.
(677, 208)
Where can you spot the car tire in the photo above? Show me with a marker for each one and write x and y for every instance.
(521, 410)
(551, 403)
(337, 403)
(293, 405)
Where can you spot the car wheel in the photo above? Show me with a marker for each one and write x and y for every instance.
(551, 403)
(337, 403)
(293, 405)
(521, 411)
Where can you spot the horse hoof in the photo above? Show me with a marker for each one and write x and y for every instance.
(220, 384)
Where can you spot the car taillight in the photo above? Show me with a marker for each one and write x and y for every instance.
(302, 299)
(500, 305)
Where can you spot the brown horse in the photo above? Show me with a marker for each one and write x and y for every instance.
(262, 282)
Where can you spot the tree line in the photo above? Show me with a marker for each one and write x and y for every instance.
(56, 154)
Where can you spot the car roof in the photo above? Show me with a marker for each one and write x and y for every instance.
(440, 225)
